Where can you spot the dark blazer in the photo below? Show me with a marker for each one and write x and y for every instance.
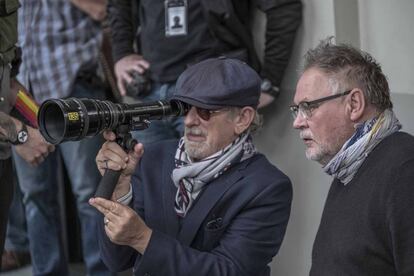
(235, 227)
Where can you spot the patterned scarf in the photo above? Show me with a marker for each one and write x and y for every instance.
(190, 177)
(367, 135)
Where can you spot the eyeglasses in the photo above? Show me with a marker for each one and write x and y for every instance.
(305, 108)
(206, 114)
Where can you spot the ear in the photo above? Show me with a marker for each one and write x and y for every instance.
(356, 105)
(244, 119)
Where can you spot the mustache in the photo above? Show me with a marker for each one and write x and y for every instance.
(305, 135)
(194, 131)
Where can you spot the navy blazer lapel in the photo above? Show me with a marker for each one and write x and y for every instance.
(168, 197)
(208, 198)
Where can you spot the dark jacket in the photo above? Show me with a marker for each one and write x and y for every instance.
(8, 29)
(235, 227)
(230, 22)
(8, 40)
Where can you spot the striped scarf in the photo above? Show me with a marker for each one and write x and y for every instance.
(190, 177)
(345, 164)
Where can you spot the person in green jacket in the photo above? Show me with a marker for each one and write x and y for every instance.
(29, 144)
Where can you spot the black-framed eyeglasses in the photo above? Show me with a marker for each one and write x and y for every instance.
(205, 114)
(305, 108)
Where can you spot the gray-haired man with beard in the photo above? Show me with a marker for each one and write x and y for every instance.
(208, 204)
(344, 113)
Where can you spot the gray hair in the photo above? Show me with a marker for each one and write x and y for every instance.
(256, 124)
(347, 68)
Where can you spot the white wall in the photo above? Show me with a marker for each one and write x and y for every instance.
(365, 23)
(283, 147)
(387, 33)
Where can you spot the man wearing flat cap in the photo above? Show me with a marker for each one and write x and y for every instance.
(207, 204)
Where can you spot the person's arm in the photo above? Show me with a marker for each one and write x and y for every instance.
(96, 9)
(120, 257)
(120, 14)
(283, 20)
(34, 150)
(8, 130)
(112, 156)
(248, 243)
(123, 30)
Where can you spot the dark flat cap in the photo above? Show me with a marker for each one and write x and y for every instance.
(218, 82)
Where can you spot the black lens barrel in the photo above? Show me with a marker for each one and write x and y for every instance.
(73, 119)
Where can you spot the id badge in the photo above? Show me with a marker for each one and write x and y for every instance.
(175, 17)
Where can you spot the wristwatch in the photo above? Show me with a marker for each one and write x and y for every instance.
(22, 136)
(269, 88)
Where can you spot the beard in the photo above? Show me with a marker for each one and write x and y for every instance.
(196, 150)
(318, 151)
(319, 154)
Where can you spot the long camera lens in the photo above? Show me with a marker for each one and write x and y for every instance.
(74, 119)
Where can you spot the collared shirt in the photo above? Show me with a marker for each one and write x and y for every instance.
(57, 40)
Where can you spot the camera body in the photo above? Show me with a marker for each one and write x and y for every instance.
(140, 84)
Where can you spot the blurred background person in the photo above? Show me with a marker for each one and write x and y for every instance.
(61, 42)
(29, 144)
(207, 28)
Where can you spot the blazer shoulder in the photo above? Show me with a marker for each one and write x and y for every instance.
(262, 165)
(264, 173)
